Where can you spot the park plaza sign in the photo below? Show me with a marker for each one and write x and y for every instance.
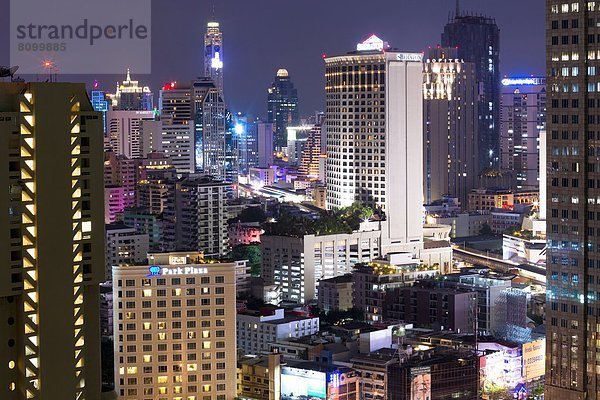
(156, 270)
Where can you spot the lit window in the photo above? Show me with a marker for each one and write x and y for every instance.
(86, 226)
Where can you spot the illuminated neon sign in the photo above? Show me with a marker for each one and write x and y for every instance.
(156, 270)
(521, 81)
(410, 57)
(372, 43)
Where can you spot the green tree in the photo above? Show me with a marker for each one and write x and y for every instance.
(253, 214)
(485, 229)
(250, 252)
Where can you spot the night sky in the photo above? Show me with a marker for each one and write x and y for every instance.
(261, 36)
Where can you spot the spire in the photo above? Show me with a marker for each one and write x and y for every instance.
(128, 79)
(457, 9)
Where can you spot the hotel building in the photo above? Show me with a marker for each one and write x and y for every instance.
(374, 124)
(174, 330)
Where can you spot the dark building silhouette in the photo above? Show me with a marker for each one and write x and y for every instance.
(477, 39)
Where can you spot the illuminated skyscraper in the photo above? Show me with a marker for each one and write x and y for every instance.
(52, 245)
(131, 96)
(522, 119)
(573, 214)
(374, 123)
(210, 128)
(477, 39)
(213, 55)
(247, 139)
(282, 108)
(451, 126)
(311, 153)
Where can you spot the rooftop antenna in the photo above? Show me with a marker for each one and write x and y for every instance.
(457, 9)
(213, 10)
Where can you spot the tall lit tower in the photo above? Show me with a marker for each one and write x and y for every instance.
(451, 126)
(282, 107)
(213, 55)
(131, 96)
(52, 245)
(374, 122)
(573, 214)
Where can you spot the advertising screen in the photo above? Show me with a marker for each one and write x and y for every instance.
(420, 383)
(301, 384)
(534, 359)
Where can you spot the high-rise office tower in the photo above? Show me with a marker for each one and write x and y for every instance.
(131, 96)
(53, 242)
(175, 323)
(175, 103)
(124, 131)
(477, 39)
(213, 55)
(247, 139)
(573, 257)
(231, 156)
(210, 127)
(451, 126)
(174, 134)
(282, 107)
(174, 140)
(374, 121)
(522, 118)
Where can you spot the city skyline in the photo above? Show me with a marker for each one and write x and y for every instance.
(300, 49)
(358, 212)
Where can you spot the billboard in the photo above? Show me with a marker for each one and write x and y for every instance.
(420, 383)
(302, 384)
(534, 359)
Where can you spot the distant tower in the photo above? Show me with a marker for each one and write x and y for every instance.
(478, 41)
(282, 108)
(130, 96)
(213, 55)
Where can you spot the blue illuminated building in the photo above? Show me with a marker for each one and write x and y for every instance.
(231, 147)
(100, 103)
(247, 136)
